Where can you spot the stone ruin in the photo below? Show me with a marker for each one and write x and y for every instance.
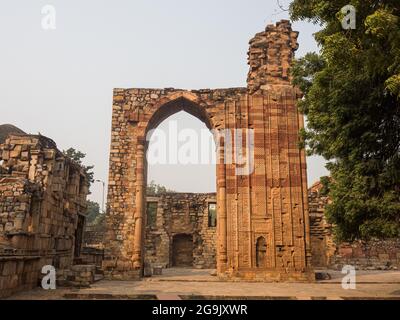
(263, 227)
(181, 231)
(42, 207)
(259, 226)
(374, 254)
(270, 56)
(322, 242)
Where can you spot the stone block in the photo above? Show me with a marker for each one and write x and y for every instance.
(9, 268)
(383, 257)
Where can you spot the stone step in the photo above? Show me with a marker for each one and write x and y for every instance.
(98, 277)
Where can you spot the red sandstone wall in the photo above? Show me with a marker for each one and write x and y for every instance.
(271, 202)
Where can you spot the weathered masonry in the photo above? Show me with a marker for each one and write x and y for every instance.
(374, 254)
(181, 230)
(42, 206)
(322, 241)
(262, 217)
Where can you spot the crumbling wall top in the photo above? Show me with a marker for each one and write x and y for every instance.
(30, 156)
(270, 56)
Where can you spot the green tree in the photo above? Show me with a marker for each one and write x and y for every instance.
(93, 211)
(93, 214)
(352, 103)
(154, 189)
(326, 182)
(78, 157)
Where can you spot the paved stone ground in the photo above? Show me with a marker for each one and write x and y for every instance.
(177, 284)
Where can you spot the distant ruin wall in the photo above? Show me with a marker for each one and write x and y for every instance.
(93, 236)
(368, 255)
(322, 244)
(180, 214)
(364, 255)
(42, 202)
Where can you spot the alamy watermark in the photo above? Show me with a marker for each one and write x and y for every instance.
(349, 19)
(49, 280)
(188, 146)
(48, 17)
(349, 280)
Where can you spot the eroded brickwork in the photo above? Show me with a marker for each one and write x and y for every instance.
(375, 254)
(181, 214)
(323, 246)
(270, 57)
(42, 198)
(267, 207)
(93, 237)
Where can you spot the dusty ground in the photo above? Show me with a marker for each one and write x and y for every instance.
(189, 283)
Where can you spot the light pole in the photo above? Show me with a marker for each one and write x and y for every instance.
(102, 201)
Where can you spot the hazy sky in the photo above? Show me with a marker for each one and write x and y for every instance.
(60, 82)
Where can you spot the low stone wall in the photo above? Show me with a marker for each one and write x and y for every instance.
(92, 256)
(77, 276)
(368, 255)
(17, 274)
(363, 255)
(322, 244)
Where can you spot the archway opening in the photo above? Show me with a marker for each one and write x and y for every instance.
(181, 199)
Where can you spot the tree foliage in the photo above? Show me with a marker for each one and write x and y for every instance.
(78, 157)
(93, 211)
(352, 103)
(154, 189)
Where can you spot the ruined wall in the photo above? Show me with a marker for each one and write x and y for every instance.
(368, 255)
(374, 254)
(269, 203)
(180, 213)
(270, 57)
(42, 195)
(92, 252)
(93, 236)
(322, 243)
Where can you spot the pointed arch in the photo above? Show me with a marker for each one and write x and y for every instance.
(168, 107)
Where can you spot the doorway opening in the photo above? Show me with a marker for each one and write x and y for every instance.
(182, 250)
(261, 252)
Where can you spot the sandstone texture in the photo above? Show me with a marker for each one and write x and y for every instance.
(181, 219)
(263, 214)
(374, 254)
(42, 207)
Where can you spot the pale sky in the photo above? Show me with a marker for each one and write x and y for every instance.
(60, 82)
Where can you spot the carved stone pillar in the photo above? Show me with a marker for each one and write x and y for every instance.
(221, 212)
(139, 205)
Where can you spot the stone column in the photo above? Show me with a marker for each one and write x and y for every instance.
(221, 212)
(139, 206)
